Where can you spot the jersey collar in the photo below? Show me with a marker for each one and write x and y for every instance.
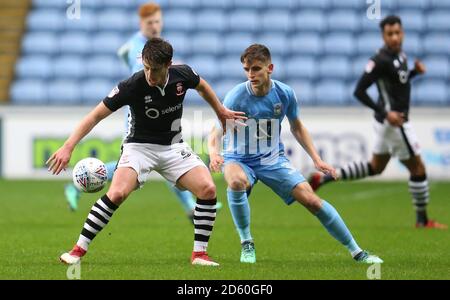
(250, 91)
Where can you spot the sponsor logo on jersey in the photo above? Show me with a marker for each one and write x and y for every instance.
(148, 99)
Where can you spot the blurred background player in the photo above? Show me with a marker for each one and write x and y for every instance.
(151, 24)
(394, 134)
(267, 102)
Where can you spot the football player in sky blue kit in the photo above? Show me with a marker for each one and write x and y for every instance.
(151, 23)
(255, 152)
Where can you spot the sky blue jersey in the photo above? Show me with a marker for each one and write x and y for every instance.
(261, 137)
(134, 54)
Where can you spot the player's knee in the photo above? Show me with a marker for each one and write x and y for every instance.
(237, 183)
(117, 196)
(310, 201)
(377, 169)
(207, 191)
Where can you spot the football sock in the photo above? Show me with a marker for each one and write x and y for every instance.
(334, 224)
(98, 217)
(185, 197)
(204, 217)
(240, 211)
(352, 171)
(110, 168)
(418, 187)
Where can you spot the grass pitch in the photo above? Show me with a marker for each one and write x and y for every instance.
(149, 237)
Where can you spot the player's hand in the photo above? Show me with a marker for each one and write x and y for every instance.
(325, 168)
(215, 163)
(227, 114)
(395, 118)
(59, 160)
(420, 67)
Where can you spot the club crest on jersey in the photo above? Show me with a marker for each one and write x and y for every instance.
(180, 89)
(396, 63)
(370, 65)
(277, 109)
(113, 92)
(148, 99)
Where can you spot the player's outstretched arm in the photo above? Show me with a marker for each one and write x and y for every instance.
(303, 137)
(59, 160)
(223, 113)
(214, 147)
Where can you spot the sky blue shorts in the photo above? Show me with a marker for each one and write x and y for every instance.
(280, 176)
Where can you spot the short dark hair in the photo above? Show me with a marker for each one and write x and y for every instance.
(157, 51)
(390, 20)
(256, 52)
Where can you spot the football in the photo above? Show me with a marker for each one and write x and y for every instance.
(89, 175)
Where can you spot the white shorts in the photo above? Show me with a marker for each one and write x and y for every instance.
(400, 142)
(171, 161)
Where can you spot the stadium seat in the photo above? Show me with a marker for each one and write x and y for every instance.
(439, 21)
(279, 69)
(113, 19)
(119, 4)
(95, 90)
(287, 4)
(318, 4)
(417, 4)
(352, 4)
(43, 19)
(412, 21)
(72, 42)
(339, 43)
(236, 43)
(46, 4)
(180, 42)
(64, 92)
(206, 43)
(334, 67)
(358, 65)
(305, 43)
(432, 92)
(304, 91)
(216, 4)
(443, 4)
(40, 42)
(412, 44)
(34, 66)
(244, 21)
(178, 20)
(437, 67)
(87, 21)
(29, 91)
(69, 66)
(163, 3)
(343, 20)
(437, 44)
(107, 42)
(276, 42)
(301, 67)
(182, 4)
(276, 20)
(211, 20)
(310, 20)
(231, 67)
(248, 4)
(205, 66)
(369, 43)
(106, 66)
(331, 92)
(224, 86)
